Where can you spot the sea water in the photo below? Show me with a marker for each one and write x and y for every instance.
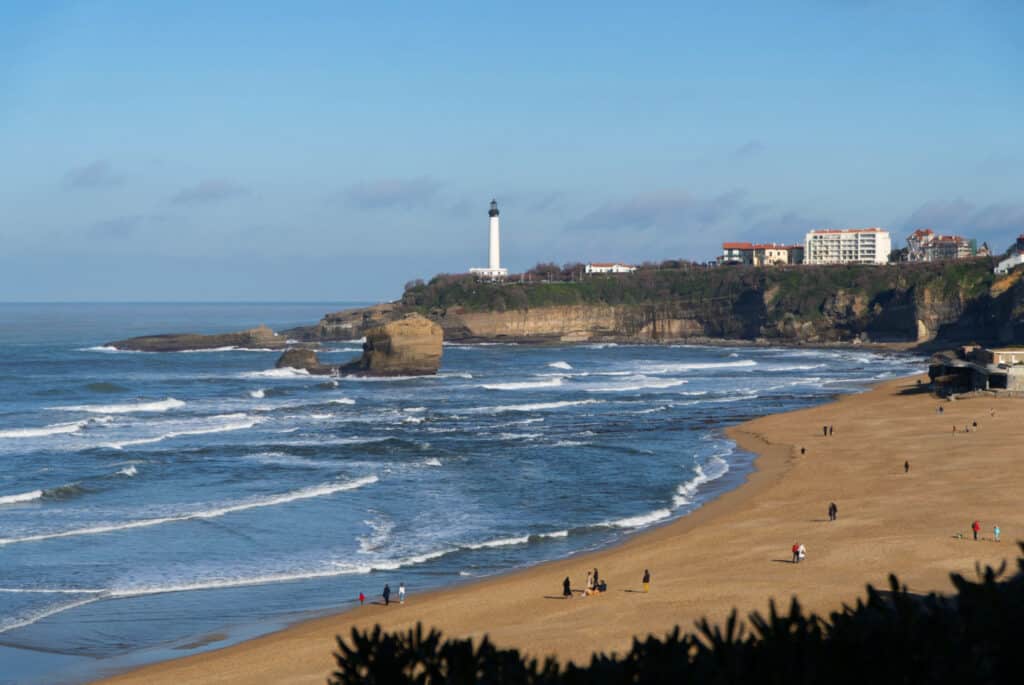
(154, 504)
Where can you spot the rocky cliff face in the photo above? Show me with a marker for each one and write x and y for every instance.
(929, 304)
(411, 346)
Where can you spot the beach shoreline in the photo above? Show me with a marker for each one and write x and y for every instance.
(741, 539)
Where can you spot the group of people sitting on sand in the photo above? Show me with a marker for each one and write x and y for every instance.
(596, 585)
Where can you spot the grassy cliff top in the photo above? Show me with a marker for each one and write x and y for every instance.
(798, 289)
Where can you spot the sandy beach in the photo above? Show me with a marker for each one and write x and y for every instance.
(733, 552)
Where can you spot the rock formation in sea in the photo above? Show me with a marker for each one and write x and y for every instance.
(408, 347)
(306, 360)
(260, 337)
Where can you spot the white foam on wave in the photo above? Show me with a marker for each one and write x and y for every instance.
(638, 521)
(569, 443)
(283, 498)
(228, 348)
(127, 408)
(715, 468)
(129, 471)
(525, 385)
(519, 436)
(432, 461)
(341, 400)
(258, 394)
(634, 383)
(51, 591)
(698, 366)
(53, 428)
(500, 542)
(109, 349)
(235, 422)
(34, 617)
(21, 497)
(535, 406)
(285, 372)
(561, 365)
(380, 534)
(282, 459)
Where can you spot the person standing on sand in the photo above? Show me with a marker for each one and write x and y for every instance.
(833, 511)
(647, 577)
(996, 532)
(801, 552)
(566, 588)
(386, 594)
(906, 467)
(597, 579)
(796, 552)
(590, 584)
(401, 593)
(976, 527)
(830, 428)
(362, 598)
(824, 431)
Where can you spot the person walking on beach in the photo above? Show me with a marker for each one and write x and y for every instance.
(801, 552)
(401, 593)
(566, 588)
(976, 527)
(647, 578)
(833, 511)
(796, 552)
(362, 598)
(824, 431)
(386, 594)
(830, 428)
(906, 467)
(996, 532)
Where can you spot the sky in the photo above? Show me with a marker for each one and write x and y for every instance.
(309, 151)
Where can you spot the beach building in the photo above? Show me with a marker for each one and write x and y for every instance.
(924, 245)
(493, 271)
(847, 246)
(609, 268)
(972, 368)
(761, 254)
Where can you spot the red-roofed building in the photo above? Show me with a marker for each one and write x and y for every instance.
(761, 254)
(924, 245)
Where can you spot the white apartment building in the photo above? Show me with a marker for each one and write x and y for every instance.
(609, 268)
(847, 246)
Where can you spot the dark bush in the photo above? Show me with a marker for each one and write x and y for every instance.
(888, 637)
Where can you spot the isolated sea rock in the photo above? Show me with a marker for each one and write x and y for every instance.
(297, 358)
(260, 337)
(408, 347)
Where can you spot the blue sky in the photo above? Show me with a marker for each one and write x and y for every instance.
(311, 151)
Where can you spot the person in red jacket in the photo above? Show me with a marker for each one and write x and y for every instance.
(796, 552)
(976, 527)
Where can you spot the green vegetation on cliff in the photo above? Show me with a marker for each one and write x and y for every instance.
(802, 290)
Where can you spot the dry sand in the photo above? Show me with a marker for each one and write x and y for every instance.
(734, 552)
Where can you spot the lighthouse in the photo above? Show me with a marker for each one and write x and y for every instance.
(493, 270)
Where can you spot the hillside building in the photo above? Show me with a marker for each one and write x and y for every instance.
(847, 246)
(609, 268)
(924, 245)
(493, 271)
(761, 254)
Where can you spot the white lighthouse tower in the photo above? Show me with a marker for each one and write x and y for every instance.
(493, 270)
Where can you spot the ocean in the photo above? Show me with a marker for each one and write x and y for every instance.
(153, 505)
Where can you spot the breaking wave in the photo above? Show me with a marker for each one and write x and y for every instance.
(21, 497)
(536, 406)
(52, 429)
(561, 365)
(128, 408)
(284, 372)
(235, 422)
(284, 498)
(524, 385)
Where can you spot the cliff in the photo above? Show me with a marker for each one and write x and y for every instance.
(260, 337)
(923, 304)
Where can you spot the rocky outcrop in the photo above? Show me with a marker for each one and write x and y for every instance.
(260, 337)
(411, 346)
(306, 360)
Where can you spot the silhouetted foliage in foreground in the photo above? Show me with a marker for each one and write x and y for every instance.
(974, 636)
